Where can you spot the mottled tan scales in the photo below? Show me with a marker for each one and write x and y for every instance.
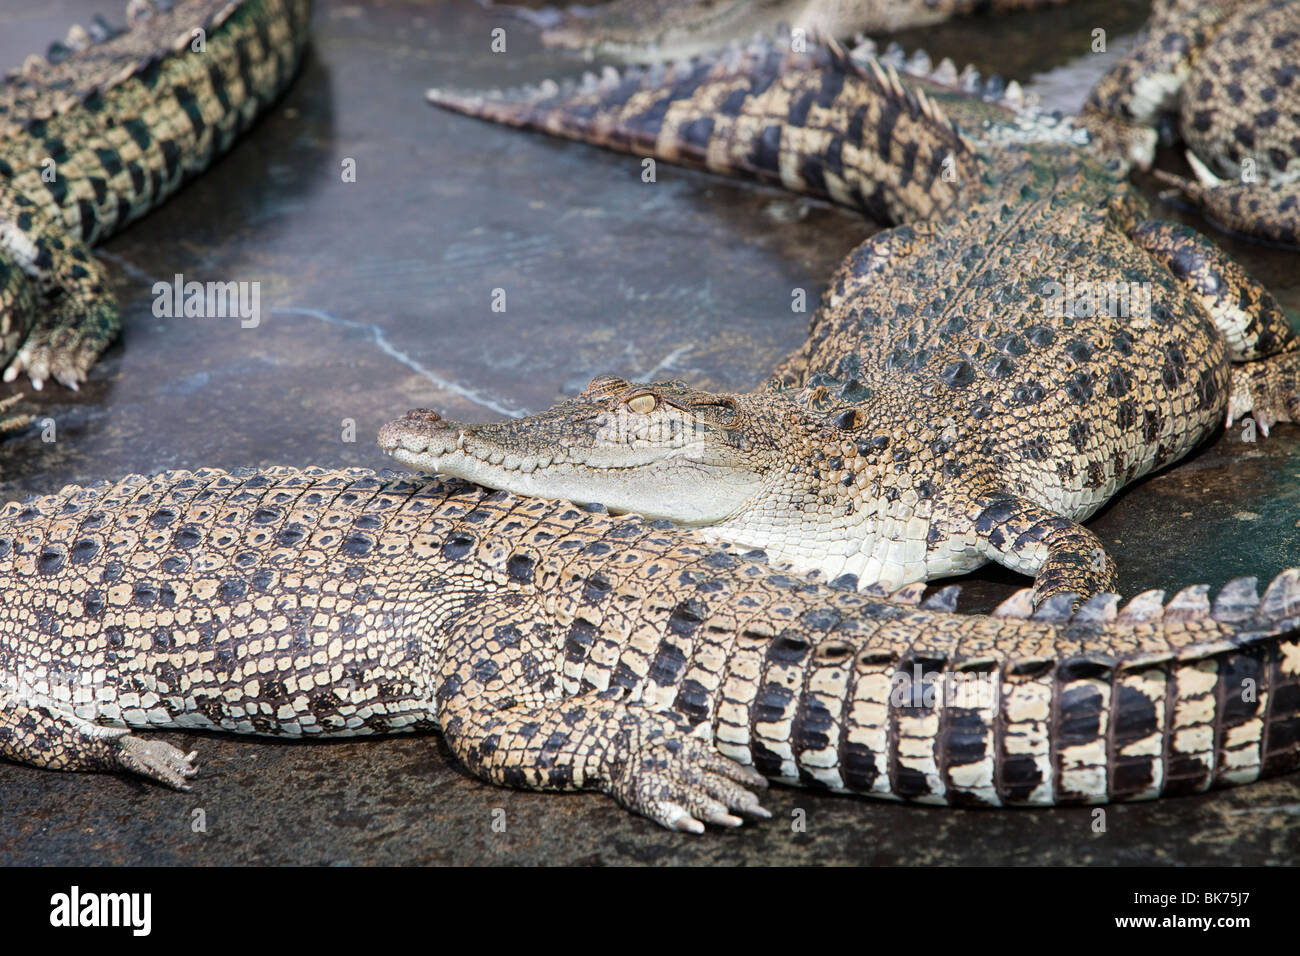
(106, 129)
(561, 648)
(978, 380)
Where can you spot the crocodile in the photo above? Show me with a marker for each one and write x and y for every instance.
(978, 379)
(645, 30)
(102, 130)
(563, 648)
(1231, 71)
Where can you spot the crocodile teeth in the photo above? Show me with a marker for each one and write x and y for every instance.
(1189, 604)
(919, 64)
(1058, 607)
(994, 87)
(945, 599)
(609, 77)
(1145, 607)
(1014, 96)
(548, 88)
(865, 49)
(1100, 608)
(893, 55)
(1237, 601)
(946, 72)
(589, 82)
(969, 81)
(1203, 173)
(1020, 604)
(1282, 599)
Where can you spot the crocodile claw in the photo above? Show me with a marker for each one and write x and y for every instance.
(682, 783)
(157, 760)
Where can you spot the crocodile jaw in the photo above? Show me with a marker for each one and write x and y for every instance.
(661, 483)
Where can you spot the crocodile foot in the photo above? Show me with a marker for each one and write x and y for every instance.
(1268, 389)
(1258, 210)
(157, 760)
(682, 783)
(65, 343)
(41, 735)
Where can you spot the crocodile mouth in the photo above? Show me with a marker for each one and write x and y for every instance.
(655, 481)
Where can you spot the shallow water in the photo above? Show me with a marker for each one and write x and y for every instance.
(376, 297)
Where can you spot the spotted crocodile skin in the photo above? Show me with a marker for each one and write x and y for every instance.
(107, 128)
(645, 30)
(977, 380)
(1231, 72)
(559, 648)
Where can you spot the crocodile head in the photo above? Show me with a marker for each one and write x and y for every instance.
(661, 449)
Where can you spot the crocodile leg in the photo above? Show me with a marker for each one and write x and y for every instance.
(40, 736)
(502, 712)
(1262, 210)
(80, 317)
(1061, 555)
(1124, 107)
(1260, 339)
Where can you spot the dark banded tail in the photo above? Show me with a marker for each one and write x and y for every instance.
(1064, 707)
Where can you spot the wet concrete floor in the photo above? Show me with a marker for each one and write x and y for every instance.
(376, 297)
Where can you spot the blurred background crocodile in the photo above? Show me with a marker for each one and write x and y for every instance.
(977, 380)
(1230, 71)
(105, 128)
(645, 30)
(559, 648)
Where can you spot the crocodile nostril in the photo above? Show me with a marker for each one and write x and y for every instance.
(423, 415)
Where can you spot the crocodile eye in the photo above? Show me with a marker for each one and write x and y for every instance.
(643, 404)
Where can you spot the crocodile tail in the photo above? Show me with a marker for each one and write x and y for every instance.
(128, 115)
(817, 122)
(1028, 707)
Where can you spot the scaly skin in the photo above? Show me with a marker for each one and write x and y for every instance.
(103, 135)
(1231, 70)
(563, 649)
(949, 406)
(643, 31)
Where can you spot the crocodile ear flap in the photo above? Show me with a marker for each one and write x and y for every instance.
(604, 386)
